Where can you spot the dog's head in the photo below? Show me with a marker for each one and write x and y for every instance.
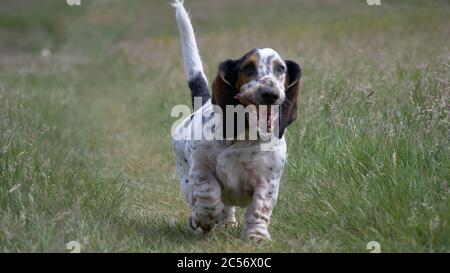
(260, 77)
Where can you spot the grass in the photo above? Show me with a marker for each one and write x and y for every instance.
(85, 149)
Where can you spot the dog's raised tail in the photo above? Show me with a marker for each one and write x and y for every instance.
(192, 62)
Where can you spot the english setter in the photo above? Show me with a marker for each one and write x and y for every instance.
(218, 174)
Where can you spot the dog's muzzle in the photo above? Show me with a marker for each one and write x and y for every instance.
(268, 95)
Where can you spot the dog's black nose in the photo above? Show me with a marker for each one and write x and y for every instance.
(269, 95)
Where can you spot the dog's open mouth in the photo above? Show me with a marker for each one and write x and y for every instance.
(265, 121)
(265, 115)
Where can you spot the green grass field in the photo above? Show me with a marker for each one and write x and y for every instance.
(85, 146)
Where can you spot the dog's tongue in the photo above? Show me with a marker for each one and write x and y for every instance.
(266, 112)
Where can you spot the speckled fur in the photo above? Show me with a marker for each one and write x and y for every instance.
(217, 175)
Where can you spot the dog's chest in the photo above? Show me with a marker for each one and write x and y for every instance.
(241, 168)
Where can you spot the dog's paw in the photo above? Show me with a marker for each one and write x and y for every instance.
(229, 224)
(256, 235)
(193, 226)
(205, 228)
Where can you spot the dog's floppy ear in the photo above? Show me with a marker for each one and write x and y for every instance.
(289, 108)
(224, 85)
(224, 91)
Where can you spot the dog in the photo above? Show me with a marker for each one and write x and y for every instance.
(216, 175)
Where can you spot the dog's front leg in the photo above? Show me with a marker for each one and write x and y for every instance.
(207, 205)
(257, 216)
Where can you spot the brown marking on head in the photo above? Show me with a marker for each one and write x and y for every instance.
(247, 70)
(232, 76)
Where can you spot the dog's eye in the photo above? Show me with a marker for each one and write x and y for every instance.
(249, 69)
(280, 69)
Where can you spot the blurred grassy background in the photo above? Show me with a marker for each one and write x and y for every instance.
(85, 99)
